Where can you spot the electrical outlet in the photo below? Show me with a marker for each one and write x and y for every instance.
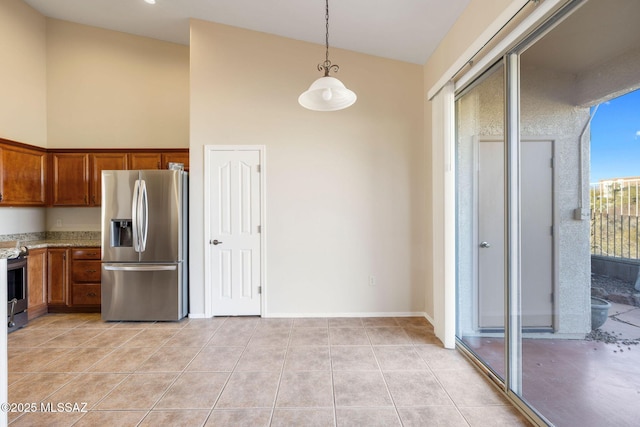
(372, 281)
(58, 222)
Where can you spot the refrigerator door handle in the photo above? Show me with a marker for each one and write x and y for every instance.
(134, 216)
(140, 267)
(144, 215)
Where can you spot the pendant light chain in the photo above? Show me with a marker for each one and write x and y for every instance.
(326, 17)
(326, 66)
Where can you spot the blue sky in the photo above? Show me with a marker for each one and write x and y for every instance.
(615, 138)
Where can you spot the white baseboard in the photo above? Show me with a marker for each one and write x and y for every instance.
(197, 316)
(429, 318)
(367, 314)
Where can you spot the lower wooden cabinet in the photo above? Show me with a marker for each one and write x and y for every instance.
(85, 278)
(37, 283)
(57, 279)
(73, 280)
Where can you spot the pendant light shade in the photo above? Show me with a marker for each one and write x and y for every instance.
(327, 93)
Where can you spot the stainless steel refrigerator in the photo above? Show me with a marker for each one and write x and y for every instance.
(144, 245)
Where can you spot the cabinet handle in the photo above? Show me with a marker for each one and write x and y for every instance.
(91, 254)
(0, 197)
(85, 198)
(92, 294)
(91, 271)
(93, 199)
(159, 165)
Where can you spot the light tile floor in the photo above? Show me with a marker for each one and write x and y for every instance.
(246, 371)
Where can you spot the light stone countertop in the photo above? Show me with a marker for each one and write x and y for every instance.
(9, 253)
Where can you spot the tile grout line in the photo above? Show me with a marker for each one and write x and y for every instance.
(286, 351)
(455, 405)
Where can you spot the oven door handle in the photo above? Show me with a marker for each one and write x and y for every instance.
(13, 303)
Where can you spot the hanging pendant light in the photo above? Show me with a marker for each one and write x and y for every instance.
(327, 93)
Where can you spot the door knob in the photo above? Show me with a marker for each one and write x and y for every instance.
(215, 242)
(485, 245)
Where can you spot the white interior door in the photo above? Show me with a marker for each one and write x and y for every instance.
(536, 234)
(234, 226)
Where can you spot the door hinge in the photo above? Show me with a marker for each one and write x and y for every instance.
(552, 299)
(259, 289)
(551, 165)
(259, 168)
(259, 229)
(551, 230)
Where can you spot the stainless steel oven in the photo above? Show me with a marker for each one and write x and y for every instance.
(17, 292)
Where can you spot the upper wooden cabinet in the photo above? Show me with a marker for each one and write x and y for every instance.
(69, 179)
(22, 174)
(100, 162)
(151, 160)
(175, 157)
(158, 159)
(33, 176)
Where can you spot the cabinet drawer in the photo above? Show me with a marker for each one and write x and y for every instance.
(86, 271)
(85, 295)
(86, 253)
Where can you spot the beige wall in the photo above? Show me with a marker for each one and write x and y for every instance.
(23, 115)
(473, 21)
(344, 190)
(109, 89)
(23, 79)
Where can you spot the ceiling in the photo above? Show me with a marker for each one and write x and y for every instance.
(405, 30)
(596, 33)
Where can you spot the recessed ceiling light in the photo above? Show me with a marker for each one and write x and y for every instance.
(150, 1)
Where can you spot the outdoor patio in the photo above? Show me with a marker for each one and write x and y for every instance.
(580, 382)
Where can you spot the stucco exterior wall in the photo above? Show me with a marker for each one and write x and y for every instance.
(547, 111)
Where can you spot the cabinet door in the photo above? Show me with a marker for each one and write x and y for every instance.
(176, 157)
(145, 161)
(100, 162)
(37, 282)
(70, 179)
(86, 253)
(58, 276)
(22, 180)
(85, 278)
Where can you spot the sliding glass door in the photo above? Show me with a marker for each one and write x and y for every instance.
(480, 198)
(524, 306)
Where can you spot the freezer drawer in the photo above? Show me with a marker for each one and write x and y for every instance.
(142, 292)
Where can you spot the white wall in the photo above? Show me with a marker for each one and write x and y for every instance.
(345, 193)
